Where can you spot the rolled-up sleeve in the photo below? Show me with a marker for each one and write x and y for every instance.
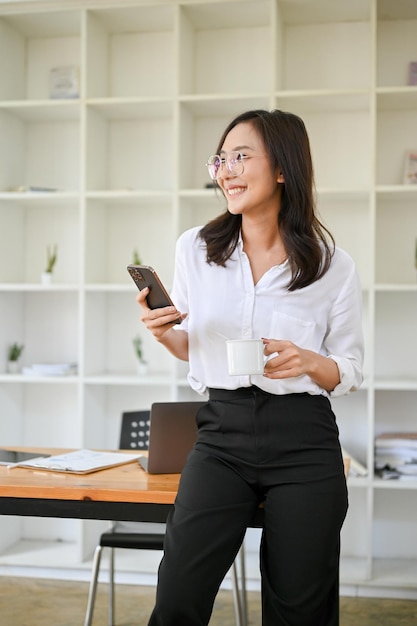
(344, 342)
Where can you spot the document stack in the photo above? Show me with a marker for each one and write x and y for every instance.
(396, 455)
(50, 369)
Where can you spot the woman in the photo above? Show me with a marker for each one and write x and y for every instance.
(266, 268)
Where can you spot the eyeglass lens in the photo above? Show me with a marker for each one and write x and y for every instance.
(232, 160)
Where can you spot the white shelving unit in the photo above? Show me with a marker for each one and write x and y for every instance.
(158, 82)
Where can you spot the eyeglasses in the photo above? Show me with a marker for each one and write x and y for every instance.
(232, 160)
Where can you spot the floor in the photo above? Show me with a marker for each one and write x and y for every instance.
(38, 602)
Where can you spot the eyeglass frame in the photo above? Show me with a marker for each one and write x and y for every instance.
(224, 160)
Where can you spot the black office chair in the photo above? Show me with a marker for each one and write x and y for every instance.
(145, 535)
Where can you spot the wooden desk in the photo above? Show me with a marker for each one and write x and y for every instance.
(124, 493)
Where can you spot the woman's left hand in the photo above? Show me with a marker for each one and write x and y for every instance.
(289, 360)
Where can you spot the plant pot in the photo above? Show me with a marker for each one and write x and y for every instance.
(46, 278)
(142, 368)
(13, 367)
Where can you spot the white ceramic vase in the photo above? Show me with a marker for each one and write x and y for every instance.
(12, 367)
(142, 368)
(46, 278)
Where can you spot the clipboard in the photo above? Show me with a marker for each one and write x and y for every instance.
(78, 462)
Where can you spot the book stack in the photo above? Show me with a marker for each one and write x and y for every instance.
(396, 455)
(50, 369)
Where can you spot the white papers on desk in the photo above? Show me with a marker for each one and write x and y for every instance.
(79, 461)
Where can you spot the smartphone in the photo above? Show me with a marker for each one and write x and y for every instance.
(145, 276)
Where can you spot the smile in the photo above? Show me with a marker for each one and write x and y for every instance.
(234, 191)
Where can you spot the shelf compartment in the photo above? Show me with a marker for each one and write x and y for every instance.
(354, 427)
(349, 220)
(111, 322)
(31, 45)
(38, 153)
(31, 224)
(394, 528)
(120, 44)
(38, 419)
(130, 152)
(216, 37)
(395, 337)
(396, 237)
(335, 132)
(115, 230)
(396, 37)
(395, 410)
(47, 325)
(347, 67)
(394, 140)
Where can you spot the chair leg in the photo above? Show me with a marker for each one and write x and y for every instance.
(244, 600)
(111, 616)
(93, 587)
(236, 595)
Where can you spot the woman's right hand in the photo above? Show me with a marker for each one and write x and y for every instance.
(157, 321)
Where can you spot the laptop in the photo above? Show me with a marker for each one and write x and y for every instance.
(172, 434)
(14, 457)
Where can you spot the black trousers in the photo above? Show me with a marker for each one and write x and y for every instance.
(255, 447)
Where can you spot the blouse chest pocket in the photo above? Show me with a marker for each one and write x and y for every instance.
(303, 333)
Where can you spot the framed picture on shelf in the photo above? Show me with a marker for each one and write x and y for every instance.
(412, 73)
(410, 168)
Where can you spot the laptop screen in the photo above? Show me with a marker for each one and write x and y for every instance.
(172, 434)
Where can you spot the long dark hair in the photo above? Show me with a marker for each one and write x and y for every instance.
(308, 243)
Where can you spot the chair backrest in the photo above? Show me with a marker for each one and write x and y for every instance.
(134, 434)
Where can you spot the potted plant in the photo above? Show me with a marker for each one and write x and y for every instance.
(142, 367)
(13, 355)
(51, 259)
(136, 260)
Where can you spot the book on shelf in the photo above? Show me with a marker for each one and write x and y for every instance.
(50, 369)
(355, 467)
(396, 455)
(31, 189)
(412, 73)
(410, 168)
(64, 83)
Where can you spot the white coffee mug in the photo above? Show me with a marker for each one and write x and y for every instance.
(245, 356)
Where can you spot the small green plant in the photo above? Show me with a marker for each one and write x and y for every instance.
(137, 345)
(136, 260)
(51, 258)
(15, 350)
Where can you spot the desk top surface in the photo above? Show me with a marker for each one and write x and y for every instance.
(125, 483)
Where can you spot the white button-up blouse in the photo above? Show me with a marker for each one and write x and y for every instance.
(224, 303)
